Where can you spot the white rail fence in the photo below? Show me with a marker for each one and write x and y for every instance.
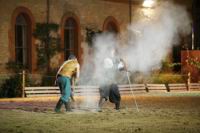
(124, 89)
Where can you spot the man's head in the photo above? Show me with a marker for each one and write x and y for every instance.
(71, 57)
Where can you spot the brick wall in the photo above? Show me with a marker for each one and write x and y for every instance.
(91, 13)
(7, 7)
(188, 67)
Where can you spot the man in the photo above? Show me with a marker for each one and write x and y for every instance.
(109, 90)
(64, 74)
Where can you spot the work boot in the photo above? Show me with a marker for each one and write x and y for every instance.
(67, 106)
(58, 105)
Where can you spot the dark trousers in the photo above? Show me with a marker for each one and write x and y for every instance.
(111, 92)
(115, 96)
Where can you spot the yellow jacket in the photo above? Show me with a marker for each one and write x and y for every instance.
(69, 68)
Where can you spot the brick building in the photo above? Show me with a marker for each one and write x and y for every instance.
(77, 13)
(18, 19)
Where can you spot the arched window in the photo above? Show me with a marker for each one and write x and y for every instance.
(21, 44)
(111, 25)
(70, 38)
(21, 41)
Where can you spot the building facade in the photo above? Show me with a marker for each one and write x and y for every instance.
(18, 19)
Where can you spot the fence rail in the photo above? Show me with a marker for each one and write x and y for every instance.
(93, 90)
(124, 89)
(178, 87)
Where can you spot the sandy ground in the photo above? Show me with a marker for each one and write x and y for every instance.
(158, 113)
(147, 100)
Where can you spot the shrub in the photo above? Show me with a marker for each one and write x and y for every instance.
(11, 87)
(158, 78)
(168, 78)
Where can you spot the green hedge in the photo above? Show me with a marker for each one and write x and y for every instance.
(158, 78)
(11, 87)
(168, 78)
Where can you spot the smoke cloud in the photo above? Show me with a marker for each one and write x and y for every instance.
(148, 42)
(153, 39)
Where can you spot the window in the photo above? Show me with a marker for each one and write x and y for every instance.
(197, 4)
(196, 19)
(176, 55)
(70, 38)
(21, 46)
(111, 25)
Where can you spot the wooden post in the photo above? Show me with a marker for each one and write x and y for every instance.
(188, 81)
(23, 82)
(188, 75)
(146, 88)
(167, 87)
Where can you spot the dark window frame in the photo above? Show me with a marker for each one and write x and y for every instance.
(70, 37)
(21, 41)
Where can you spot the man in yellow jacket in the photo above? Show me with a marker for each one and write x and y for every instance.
(64, 74)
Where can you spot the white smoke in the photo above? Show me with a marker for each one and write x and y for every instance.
(94, 64)
(149, 42)
(156, 37)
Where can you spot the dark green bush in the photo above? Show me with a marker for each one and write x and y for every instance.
(168, 78)
(11, 87)
(159, 78)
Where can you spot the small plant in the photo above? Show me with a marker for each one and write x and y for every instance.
(11, 87)
(13, 66)
(168, 67)
(90, 35)
(158, 78)
(195, 62)
(168, 78)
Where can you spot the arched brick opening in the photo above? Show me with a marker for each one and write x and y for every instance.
(77, 46)
(31, 53)
(111, 25)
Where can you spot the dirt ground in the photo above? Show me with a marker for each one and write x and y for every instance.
(158, 113)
